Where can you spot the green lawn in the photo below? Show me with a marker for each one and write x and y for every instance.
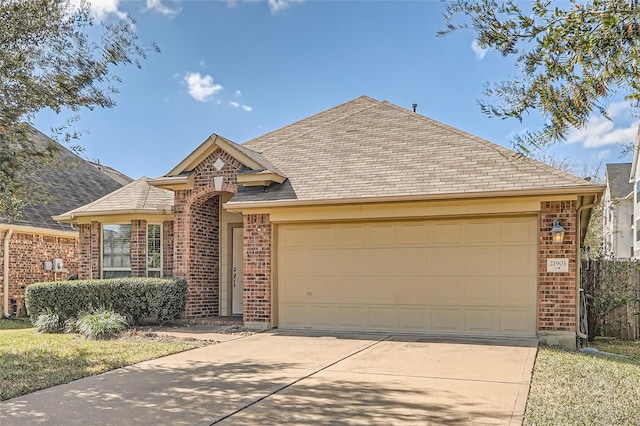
(15, 324)
(572, 388)
(30, 361)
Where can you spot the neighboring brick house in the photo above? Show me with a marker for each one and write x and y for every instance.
(34, 240)
(370, 217)
(617, 212)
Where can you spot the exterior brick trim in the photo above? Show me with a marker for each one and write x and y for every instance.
(257, 269)
(557, 292)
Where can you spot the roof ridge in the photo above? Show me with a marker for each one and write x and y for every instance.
(506, 152)
(273, 145)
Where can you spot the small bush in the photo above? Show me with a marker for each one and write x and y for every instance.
(101, 324)
(49, 322)
(134, 298)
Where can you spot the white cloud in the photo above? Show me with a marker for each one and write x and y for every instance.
(278, 5)
(203, 64)
(477, 50)
(100, 9)
(599, 131)
(201, 87)
(243, 106)
(158, 6)
(238, 93)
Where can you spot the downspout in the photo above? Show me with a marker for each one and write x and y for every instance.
(579, 257)
(5, 275)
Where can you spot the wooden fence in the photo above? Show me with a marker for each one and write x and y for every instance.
(613, 289)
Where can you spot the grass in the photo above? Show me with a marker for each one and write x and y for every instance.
(572, 388)
(6, 324)
(30, 361)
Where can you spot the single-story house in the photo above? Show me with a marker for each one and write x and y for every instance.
(364, 217)
(34, 246)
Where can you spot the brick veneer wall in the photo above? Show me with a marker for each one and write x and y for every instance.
(556, 290)
(167, 248)
(196, 233)
(27, 252)
(257, 269)
(138, 248)
(89, 251)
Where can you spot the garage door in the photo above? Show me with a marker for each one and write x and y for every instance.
(462, 276)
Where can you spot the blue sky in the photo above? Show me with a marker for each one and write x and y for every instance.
(243, 68)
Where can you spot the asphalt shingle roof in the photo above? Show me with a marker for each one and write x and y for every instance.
(75, 183)
(618, 179)
(137, 196)
(368, 148)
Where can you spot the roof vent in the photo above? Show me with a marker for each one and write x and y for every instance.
(414, 106)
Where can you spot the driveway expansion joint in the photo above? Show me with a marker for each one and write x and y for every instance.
(298, 380)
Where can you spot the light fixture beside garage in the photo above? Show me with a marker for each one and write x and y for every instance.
(557, 232)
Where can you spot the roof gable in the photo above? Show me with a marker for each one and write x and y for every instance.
(138, 197)
(367, 149)
(617, 178)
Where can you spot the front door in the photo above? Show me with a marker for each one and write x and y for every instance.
(237, 276)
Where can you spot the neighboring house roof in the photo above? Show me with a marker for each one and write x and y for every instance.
(71, 184)
(618, 179)
(369, 149)
(138, 197)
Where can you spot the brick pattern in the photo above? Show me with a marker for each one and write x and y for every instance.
(84, 248)
(557, 291)
(196, 225)
(167, 249)
(27, 253)
(96, 241)
(138, 248)
(257, 268)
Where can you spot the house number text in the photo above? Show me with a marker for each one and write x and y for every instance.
(558, 265)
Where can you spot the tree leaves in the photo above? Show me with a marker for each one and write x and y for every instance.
(50, 58)
(571, 60)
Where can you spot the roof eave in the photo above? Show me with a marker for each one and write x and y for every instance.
(580, 190)
(73, 216)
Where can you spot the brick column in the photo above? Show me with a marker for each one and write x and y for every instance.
(84, 251)
(96, 240)
(257, 271)
(138, 248)
(557, 293)
(167, 248)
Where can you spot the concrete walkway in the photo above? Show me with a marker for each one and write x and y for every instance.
(290, 378)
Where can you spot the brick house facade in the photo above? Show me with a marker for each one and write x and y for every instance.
(298, 192)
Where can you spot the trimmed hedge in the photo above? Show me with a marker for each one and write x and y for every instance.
(135, 298)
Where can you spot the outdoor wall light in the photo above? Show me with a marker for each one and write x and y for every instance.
(557, 232)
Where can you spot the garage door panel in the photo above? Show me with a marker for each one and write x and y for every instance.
(449, 276)
(447, 233)
(481, 232)
(479, 292)
(414, 318)
(481, 260)
(412, 233)
(516, 261)
(414, 262)
(482, 320)
(383, 318)
(447, 320)
(414, 291)
(381, 235)
(447, 291)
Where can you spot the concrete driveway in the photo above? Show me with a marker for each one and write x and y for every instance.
(290, 378)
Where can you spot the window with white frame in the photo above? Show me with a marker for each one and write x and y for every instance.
(116, 251)
(154, 250)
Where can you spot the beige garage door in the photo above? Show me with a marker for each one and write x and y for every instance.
(463, 276)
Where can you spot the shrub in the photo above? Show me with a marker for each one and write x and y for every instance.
(101, 324)
(134, 298)
(48, 322)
